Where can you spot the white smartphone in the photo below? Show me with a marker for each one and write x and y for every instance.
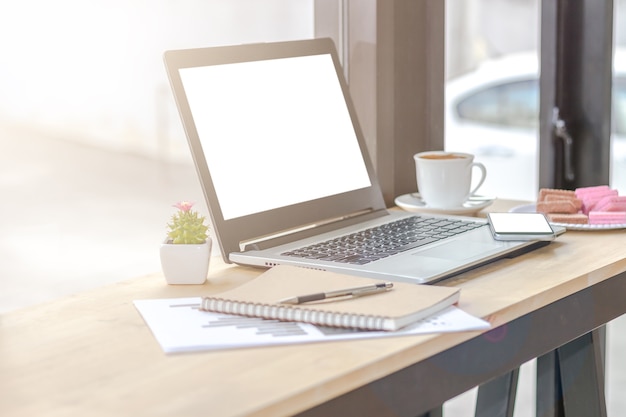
(520, 226)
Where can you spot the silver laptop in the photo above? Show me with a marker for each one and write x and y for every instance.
(286, 173)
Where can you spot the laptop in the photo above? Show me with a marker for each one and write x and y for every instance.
(286, 174)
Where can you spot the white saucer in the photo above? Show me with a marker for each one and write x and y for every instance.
(413, 202)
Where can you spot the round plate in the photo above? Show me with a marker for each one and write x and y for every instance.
(531, 208)
(413, 202)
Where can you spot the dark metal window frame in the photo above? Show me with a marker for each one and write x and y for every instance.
(575, 85)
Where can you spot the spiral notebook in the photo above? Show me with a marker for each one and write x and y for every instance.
(390, 310)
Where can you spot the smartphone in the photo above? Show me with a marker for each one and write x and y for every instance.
(520, 226)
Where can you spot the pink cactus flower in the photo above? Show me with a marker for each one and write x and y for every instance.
(184, 205)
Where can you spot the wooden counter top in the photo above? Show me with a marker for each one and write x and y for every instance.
(92, 354)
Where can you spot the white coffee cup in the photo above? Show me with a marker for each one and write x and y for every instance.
(444, 178)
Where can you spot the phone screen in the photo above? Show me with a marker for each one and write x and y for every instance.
(520, 226)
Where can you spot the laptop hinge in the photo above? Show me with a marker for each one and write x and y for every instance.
(308, 230)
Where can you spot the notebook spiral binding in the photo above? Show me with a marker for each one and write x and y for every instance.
(291, 313)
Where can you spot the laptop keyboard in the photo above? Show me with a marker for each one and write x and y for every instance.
(389, 239)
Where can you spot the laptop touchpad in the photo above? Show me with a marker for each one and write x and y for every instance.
(457, 250)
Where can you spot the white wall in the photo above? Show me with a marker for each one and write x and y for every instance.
(93, 70)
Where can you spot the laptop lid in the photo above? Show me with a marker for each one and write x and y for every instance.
(275, 140)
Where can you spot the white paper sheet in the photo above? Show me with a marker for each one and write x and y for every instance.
(179, 326)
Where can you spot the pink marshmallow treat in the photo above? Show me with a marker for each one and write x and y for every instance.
(591, 196)
(611, 203)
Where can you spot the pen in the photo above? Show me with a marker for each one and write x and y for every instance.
(355, 292)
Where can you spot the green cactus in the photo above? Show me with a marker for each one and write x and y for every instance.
(186, 226)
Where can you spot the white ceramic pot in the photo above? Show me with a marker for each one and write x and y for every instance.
(185, 264)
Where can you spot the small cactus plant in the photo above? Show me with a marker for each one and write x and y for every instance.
(186, 226)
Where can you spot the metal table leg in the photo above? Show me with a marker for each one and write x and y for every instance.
(570, 379)
(496, 398)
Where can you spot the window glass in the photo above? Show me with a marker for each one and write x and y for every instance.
(618, 121)
(492, 96)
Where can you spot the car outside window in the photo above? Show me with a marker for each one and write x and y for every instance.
(513, 104)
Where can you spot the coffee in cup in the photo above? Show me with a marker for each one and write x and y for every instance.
(444, 179)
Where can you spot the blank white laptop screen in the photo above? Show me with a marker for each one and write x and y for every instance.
(284, 122)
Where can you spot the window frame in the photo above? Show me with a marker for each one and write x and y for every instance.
(576, 78)
(393, 55)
